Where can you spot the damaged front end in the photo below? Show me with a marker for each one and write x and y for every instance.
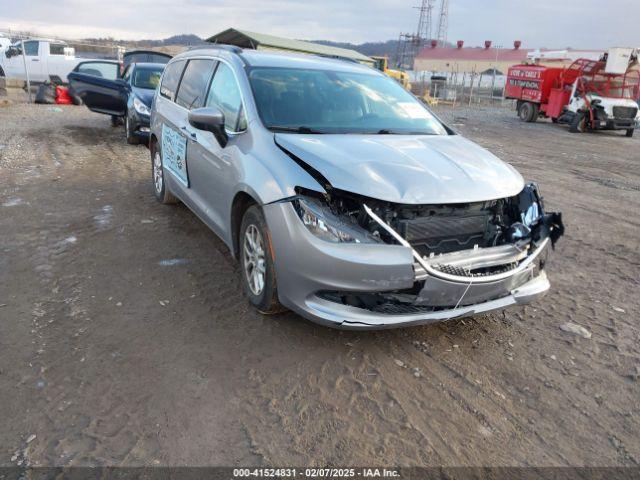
(464, 255)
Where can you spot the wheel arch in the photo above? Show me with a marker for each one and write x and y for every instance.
(241, 202)
(153, 141)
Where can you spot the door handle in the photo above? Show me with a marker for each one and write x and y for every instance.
(35, 59)
(191, 134)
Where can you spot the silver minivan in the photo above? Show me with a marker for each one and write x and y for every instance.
(342, 196)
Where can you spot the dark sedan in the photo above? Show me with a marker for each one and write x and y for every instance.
(99, 85)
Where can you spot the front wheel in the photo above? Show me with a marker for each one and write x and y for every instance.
(162, 193)
(256, 262)
(131, 138)
(629, 132)
(578, 123)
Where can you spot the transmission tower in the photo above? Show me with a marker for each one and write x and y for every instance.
(424, 20)
(443, 22)
(409, 45)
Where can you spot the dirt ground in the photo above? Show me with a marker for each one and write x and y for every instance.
(125, 338)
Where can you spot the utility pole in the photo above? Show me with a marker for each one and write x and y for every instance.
(495, 67)
(26, 70)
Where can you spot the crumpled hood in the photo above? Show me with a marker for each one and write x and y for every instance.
(409, 169)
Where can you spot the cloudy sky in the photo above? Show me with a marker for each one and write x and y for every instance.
(538, 23)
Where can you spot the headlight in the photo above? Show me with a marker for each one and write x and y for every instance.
(141, 107)
(324, 224)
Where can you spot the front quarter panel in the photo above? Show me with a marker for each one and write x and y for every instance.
(269, 172)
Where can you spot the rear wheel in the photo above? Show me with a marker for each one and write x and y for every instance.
(629, 132)
(256, 262)
(528, 112)
(131, 138)
(160, 189)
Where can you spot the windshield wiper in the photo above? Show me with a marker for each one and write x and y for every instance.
(386, 131)
(300, 129)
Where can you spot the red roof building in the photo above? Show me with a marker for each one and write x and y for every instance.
(479, 59)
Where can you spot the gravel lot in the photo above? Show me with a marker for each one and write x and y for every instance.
(125, 338)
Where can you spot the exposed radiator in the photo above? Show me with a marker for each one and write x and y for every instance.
(440, 234)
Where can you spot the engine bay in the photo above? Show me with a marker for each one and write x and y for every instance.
(441, 229)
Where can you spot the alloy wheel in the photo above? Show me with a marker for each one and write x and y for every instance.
(254, 259)
(157, 172)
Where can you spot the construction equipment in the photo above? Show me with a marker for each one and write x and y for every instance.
(587, 95)
(382, 64)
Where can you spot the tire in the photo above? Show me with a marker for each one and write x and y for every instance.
(629, 132)
(554, 120)
(131, 138)
(577, 123)
(115, 121)
(528, 112)
(257, 269)
(2, 72)
(160, 190)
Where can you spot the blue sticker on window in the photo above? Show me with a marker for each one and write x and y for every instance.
(174, 154)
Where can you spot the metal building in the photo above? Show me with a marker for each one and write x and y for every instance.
(261, 41)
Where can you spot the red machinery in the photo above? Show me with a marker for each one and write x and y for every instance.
(549, 91)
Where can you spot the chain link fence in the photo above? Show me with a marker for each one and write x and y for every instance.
(460, 89)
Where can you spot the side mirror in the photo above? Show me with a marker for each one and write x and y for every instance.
(210, 119)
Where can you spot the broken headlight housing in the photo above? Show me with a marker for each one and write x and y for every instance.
(324, 224)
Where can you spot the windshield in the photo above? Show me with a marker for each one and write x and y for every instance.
(147, 77)
(321, 101)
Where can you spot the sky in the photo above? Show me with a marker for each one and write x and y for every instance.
(538, 23)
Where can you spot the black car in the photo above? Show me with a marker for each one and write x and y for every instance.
(99, 85)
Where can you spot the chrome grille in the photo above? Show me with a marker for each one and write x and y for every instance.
(625, 112)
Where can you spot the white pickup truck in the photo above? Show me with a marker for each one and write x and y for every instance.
(45, 59)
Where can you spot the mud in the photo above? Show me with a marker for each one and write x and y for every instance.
(125, 338)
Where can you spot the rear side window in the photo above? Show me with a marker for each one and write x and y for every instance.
(99, 69)
(171, 78)
(224, 93)
(56, 49)
(194, 81)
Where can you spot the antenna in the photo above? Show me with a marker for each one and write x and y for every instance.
(443, 23)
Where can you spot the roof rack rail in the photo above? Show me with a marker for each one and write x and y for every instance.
(220, 46)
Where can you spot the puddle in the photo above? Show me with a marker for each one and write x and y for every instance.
(12, 202)
(171, 262)
(103, 220)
